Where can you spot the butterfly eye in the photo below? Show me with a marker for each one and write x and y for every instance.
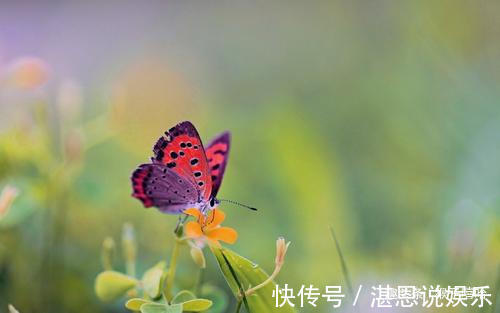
(212, 202)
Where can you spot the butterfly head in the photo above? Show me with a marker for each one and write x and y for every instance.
(213, 203)
(209, 205)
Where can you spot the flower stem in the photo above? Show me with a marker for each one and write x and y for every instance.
(264, 283)
(199, 282)
(171, 270)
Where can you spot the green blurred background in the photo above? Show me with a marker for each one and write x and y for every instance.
(380, 119)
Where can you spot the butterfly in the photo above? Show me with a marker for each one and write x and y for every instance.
(183, 173)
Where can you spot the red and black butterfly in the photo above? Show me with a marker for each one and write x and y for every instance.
(183, 173)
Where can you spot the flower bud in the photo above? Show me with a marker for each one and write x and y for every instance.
(281, 247)
(108, 251)
(198, 256)
(129, 248)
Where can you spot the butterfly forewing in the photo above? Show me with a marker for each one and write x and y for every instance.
(157, 185)
(217, 154)
(181, 151)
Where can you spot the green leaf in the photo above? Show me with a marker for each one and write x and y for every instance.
(111, 285)
(174, 308)
(152, 280)
(183, 296)
(190, 303)
(196, 305)
(153, 308)
(135, 304)
(161, 308)
(241, 273)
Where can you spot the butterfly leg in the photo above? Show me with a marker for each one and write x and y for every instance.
(213, 216)
(180, 222)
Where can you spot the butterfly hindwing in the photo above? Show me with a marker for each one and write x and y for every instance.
(217, 153)
(181, 150)
(157, 185)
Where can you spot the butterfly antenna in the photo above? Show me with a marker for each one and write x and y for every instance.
(237, 203)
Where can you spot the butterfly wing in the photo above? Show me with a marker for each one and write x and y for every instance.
(217, 154)
(157, 185)
(181, 150)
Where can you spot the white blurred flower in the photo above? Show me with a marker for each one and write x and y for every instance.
(12, 309)
(69, 100)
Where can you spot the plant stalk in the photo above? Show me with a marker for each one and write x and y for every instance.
(199, 282)
(172, 268)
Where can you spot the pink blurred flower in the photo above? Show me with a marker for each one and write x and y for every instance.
(27, 72)
(7, 196)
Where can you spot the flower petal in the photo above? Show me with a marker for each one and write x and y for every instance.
(193, 212)
(215, 218)
(226, 234)
(193, 230)
(212, 242)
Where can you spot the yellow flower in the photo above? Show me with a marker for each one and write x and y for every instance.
(208, 227)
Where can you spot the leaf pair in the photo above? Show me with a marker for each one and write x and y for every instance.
(184, 301)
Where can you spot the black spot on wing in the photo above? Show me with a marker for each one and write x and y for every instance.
(159, 155)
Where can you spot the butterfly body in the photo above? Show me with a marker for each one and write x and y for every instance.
(182, 173)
